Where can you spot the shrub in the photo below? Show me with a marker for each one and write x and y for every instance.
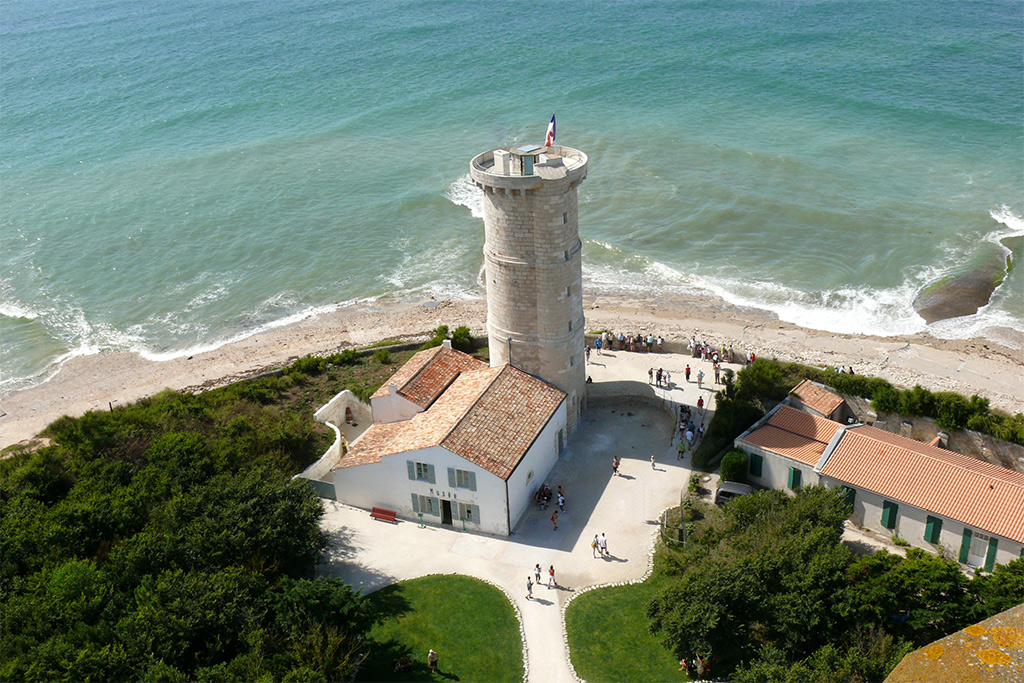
(440, 334)
(734, 466)
(694, 482)
(345, 357)
(732, 418)
(462, 339)
(309, 365)
(382, 356)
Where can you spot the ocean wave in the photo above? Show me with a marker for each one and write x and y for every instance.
(284, 321)
(9, 309)
(463, 192)
(851, 310)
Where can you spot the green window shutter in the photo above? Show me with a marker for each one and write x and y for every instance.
(965, 546)
(756, 462)
(889, 511)
(430, 474)
(474, 510)
(415, 503)
(451, 477)
(932, 529)
(472, 481)
(435, 506)
(850, 493)
(412, 469)
(990, 556)
(794, 478)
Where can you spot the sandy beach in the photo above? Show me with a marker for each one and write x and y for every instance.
(972, 366)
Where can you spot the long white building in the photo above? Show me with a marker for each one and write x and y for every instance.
(969, 510)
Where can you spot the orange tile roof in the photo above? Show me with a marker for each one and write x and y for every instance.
(505, 421)
(428, 373)
(794, 434)
(489, 416)
(817, 398)
(976, 493)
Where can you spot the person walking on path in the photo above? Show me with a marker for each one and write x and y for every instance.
(602, 545)
(687, 372)
(594, 546)
(536, 572)
(615, 465)
(551, 577)
(668, 379)
(681, 449)
(597, 345)
(717, 373)
(529, 587)
(652, 463)
(700, 378)
(554, 520)
(561, 503)
(650, 376)
(433, 660)
(700, 404)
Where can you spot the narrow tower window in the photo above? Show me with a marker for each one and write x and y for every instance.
(565, 218)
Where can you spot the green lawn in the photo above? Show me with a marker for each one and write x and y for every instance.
(470, 623)
(609, 640)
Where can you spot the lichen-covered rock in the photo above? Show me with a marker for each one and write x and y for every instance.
(966, 290)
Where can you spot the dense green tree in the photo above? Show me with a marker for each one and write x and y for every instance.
(167, 541)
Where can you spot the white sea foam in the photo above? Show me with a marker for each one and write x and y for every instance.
(463, 192)
(298, 316)
(10, 309)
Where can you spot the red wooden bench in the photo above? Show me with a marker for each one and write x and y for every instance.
(384, 514)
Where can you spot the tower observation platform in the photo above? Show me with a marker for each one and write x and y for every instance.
(532, 263)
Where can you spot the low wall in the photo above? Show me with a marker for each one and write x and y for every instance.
(333, 414)
(610, 393)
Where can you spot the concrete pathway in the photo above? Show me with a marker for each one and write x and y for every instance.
(370, 554)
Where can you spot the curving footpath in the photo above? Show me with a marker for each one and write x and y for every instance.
(370, 554)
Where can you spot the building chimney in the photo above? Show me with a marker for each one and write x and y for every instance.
(447, 343)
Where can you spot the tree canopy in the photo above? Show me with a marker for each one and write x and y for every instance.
(167, 541)
(767, 587)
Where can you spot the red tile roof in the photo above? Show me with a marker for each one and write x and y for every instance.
(976, 493)
(794, 434)
(818, 398)
(489, 416)
(428, 373)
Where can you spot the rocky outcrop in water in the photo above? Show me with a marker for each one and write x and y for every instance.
(967, 289)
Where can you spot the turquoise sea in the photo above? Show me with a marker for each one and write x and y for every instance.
(176, 175)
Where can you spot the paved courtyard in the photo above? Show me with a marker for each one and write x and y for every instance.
(370, 554)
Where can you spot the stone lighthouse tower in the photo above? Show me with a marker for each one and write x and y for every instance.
(532, 264)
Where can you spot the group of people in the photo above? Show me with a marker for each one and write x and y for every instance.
(659, 378)
(600, 545)
(699, 666)
(689, 434)
(544, 495)
(638, 342)
(535, 579)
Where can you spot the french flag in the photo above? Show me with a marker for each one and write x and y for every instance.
(549, 141)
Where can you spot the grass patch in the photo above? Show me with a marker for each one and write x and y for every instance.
(609, 638)
(470, 624)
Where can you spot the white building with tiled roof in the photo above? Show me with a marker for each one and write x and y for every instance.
(455, 442)
(932, 498)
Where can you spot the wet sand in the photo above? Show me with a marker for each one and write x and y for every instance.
(972, 366)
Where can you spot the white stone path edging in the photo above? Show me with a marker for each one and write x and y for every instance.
(587, 589)
(647, 574)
